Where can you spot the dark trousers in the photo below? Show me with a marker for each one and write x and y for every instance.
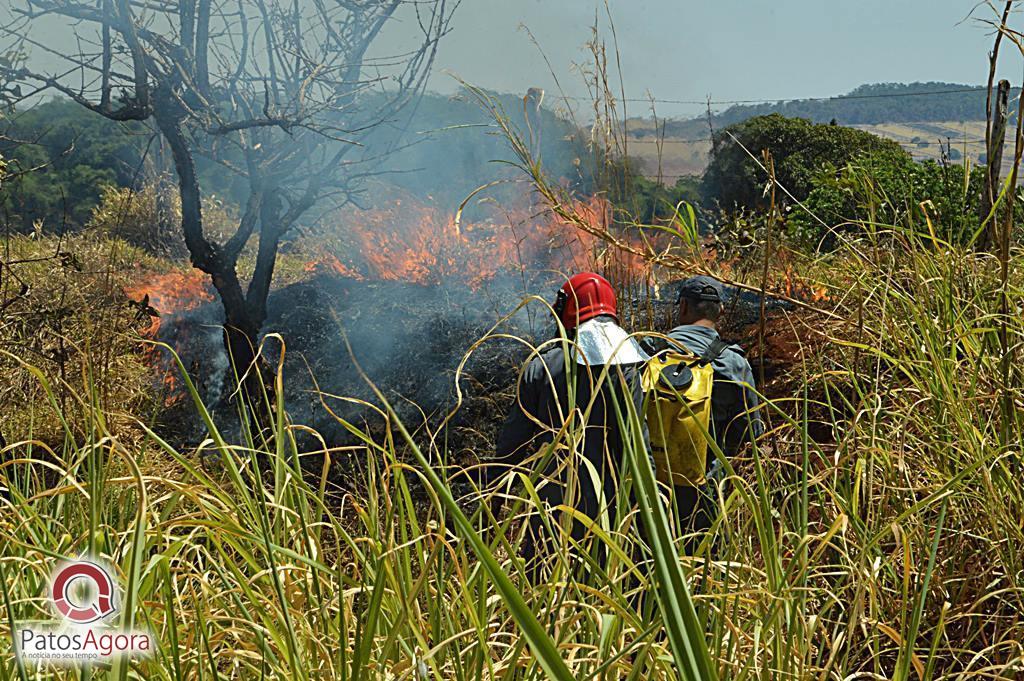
(539, 546)
(696, 509)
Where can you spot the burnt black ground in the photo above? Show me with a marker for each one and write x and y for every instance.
(408, 339)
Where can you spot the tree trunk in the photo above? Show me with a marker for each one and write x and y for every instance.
(994, 159)
(241, 329)
(241, 326)
(266, 257)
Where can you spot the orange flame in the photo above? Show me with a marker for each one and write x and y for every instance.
(164, 295)
(792, 284)
(404, 240)
(172, 293)
(330, 263)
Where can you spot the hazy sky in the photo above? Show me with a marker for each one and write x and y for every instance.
(689, 49)
(729, 49)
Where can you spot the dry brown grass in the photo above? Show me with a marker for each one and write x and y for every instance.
(65, 313)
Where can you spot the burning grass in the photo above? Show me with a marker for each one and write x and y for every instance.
(873, 532)
(402, 286)
(888, 549)
(407, 240)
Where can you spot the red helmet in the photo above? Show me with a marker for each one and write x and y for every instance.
(585, 296)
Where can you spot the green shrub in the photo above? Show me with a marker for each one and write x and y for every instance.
(802, 152)
(880, 189)
(150, 218)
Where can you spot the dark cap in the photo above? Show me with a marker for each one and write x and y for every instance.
(701, 288)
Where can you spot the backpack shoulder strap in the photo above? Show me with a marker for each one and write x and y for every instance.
(714, 351)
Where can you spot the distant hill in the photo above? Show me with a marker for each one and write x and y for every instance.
(867, 105)
(879, 103)
(923, 117)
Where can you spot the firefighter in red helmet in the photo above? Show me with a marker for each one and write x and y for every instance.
(584, 297)
(594, 341)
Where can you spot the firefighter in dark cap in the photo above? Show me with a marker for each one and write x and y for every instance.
(735, 418)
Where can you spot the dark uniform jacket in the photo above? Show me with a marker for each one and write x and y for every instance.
(543, 394)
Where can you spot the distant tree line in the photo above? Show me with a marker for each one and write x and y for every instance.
(866, 105)
(61, 157)
(441, 152)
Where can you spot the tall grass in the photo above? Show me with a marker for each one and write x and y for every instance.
(244, 572)
(874, 532)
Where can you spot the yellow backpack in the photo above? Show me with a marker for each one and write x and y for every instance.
(678, 411)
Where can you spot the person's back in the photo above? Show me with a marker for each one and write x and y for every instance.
(733, 394)
(599, 355)
(735, 418)
(544, 404)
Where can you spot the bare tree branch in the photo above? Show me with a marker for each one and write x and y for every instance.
(280, 92)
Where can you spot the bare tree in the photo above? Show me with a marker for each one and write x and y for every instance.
(279, 92)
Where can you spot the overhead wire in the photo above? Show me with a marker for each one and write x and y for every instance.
(922, 143)
(880, 95)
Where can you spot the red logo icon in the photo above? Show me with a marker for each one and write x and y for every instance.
(101, 592)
